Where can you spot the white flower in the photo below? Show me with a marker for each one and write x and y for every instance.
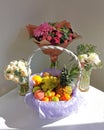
(17, 71)
(24, 72)
(9, 76)
(21, 64)
(94, 58)
(13, 63)
(83, 57)
(16, 79)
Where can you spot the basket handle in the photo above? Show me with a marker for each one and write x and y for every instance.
(52, 47)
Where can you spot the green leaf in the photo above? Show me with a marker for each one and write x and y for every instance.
(85, 49)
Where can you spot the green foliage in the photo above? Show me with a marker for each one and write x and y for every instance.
(88, 66)
(64, 78)
(17, 73)
(73, 73)
(65, 31)
(68, 76)
(85, 49)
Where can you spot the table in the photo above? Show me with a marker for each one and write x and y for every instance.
(17, 115)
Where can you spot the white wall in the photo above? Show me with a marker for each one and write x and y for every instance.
(86, 17)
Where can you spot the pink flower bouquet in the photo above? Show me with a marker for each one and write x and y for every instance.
(55, 34)
(52, 33)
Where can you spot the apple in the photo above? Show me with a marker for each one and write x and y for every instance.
(39, 94)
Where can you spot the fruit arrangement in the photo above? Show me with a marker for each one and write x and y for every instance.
(53, 91)
(52, 88)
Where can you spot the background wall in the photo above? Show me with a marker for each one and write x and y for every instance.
(85, 16)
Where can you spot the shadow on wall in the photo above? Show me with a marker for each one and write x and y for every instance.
(94, 78)
(22, 47)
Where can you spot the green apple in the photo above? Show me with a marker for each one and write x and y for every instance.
(55, 99)
(35, 89)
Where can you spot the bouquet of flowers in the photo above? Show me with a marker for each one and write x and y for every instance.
(52, 33)
(88, 56)
(17, 72)
(89, 60)
(55, 34)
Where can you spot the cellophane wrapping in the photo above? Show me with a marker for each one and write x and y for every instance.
(51, 109)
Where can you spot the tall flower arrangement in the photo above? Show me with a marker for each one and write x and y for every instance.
(89, 60)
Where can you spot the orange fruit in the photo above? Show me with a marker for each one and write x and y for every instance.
(52, 93)
(66, 97)
(58, 95)
(46, 99)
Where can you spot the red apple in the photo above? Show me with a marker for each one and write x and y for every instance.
(39, 94)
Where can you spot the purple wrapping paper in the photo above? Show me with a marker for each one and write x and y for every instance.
(53, 109)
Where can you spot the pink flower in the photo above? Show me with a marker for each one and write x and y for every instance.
(66, 41)
(57, 40)
(43, 29)
(58, 33)
(44, 37)
(49, 38)
(71, 37)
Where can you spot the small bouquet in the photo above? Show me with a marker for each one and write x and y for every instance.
(89, 60)
(88, 56)
(52, 33)
(17, 72)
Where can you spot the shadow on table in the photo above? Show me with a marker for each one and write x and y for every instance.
(41, 124)
(21, 116)
(31, 121)
(95, 126)
(26, 120)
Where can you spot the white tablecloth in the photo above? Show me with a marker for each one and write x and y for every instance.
(15, 114)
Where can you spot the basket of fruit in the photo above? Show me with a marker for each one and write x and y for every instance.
(53, 90)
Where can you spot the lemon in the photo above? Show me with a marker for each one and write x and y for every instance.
(37, 79)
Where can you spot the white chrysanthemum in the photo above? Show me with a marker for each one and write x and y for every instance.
(15, 68)
(24, 72)
(8, 67)
(94, 58)
(15, 62)
(9, 77)
(22, 67)
(17, 71)
(21, 64)
(16, 79)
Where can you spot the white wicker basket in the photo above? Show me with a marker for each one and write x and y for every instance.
(53, 109)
